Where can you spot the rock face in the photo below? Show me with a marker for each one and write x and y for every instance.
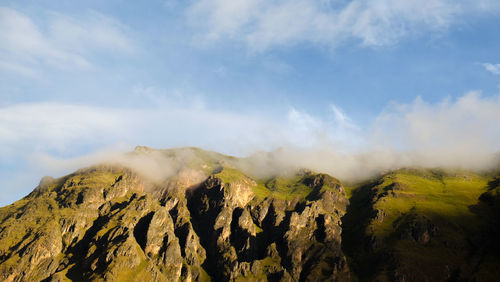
(107, 223)
(97, 224)
(271, 238)
(209, 221)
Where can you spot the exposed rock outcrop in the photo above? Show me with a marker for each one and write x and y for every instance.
(108, 223)
(210, 221)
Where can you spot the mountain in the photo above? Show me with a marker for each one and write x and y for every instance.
(424, 225)
(209, 218)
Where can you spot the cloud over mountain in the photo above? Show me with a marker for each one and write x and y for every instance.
(453, 133)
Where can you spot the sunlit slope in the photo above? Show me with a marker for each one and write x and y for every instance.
(207, 220)
(414, 224)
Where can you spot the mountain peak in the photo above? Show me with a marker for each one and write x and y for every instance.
(212, 220)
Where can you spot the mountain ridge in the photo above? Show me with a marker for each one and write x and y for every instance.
(210, 221)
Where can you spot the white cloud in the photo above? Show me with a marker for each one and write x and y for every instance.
(459, 133)
(65, 43)
(266, 24)
(461, 128)
(493, 68)
(307, 131)
(45, 126)
(341, 119)
(464, 132)
(94, 31)
(14, 67)
(61, 127)
(176, 121)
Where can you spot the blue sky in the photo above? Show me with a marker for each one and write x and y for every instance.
(78, 77)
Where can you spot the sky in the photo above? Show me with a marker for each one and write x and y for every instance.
(238, 76)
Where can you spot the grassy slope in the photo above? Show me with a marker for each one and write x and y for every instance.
(435, 194)
(442, 197)
(39, 213)
(32, 213)
(290, 187)
(283, 187)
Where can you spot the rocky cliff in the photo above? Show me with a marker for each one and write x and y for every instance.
(107, 223)
(210, 221)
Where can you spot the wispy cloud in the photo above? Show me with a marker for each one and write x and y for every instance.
(462, 132)
(58, 127)
(493, 68)
(266, 24)
(46, 126)
(458, 133)
(29, 47)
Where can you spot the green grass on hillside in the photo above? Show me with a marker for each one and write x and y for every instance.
(380, 210)
(435, 194)
(288, 188)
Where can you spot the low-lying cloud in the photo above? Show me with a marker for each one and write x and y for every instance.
(55, 138)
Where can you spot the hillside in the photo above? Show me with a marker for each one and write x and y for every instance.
(208, 220)
(423, 225)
